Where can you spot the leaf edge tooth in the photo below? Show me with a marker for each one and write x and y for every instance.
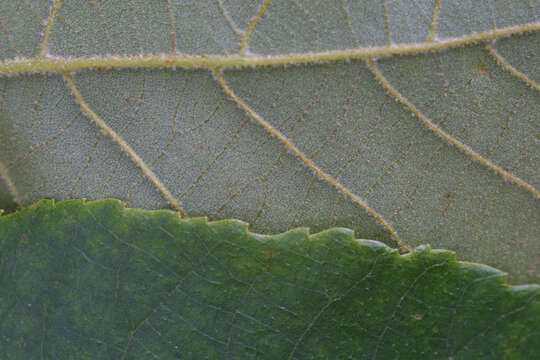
(420, 253)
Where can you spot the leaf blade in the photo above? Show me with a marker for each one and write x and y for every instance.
(221, 165)
(102, 281)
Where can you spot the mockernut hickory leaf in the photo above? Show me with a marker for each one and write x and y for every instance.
(98, 281)
(410, 122)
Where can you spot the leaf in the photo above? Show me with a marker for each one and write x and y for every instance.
(438, 146)
(101, 281)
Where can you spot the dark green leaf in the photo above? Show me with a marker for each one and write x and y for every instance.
(98, 281)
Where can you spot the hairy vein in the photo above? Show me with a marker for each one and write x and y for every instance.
(507, 66)
(125, 147)
(10, 185)
(44, 46)
(447, 137)
(434, 21)
(308, 162)
(67, 65)
(251, 27)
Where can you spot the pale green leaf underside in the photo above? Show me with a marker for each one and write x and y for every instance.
(212, 159)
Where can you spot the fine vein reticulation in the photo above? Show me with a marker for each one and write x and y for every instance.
(125, 147)
(447, 137)
(308, 162)
(45, 63)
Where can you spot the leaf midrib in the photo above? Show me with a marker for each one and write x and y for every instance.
(55, 64)
(46, 63)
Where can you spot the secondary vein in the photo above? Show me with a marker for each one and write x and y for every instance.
(307, 161)
(125, 147)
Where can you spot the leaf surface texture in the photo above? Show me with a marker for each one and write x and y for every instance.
(96, 280)
(437, 146)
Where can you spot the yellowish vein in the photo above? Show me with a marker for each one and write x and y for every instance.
(447, 137)
(10, 185)
(308, 162)
(67, 65)
(507, 66)
(434, 21)
(386, 23)
(125, 147)
(44, 46)
(251, 27)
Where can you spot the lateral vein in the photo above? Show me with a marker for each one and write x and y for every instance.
(125, 147)
(43, 48)
(307, 161)
(507, 66)
(447, 137)
(10, 185)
